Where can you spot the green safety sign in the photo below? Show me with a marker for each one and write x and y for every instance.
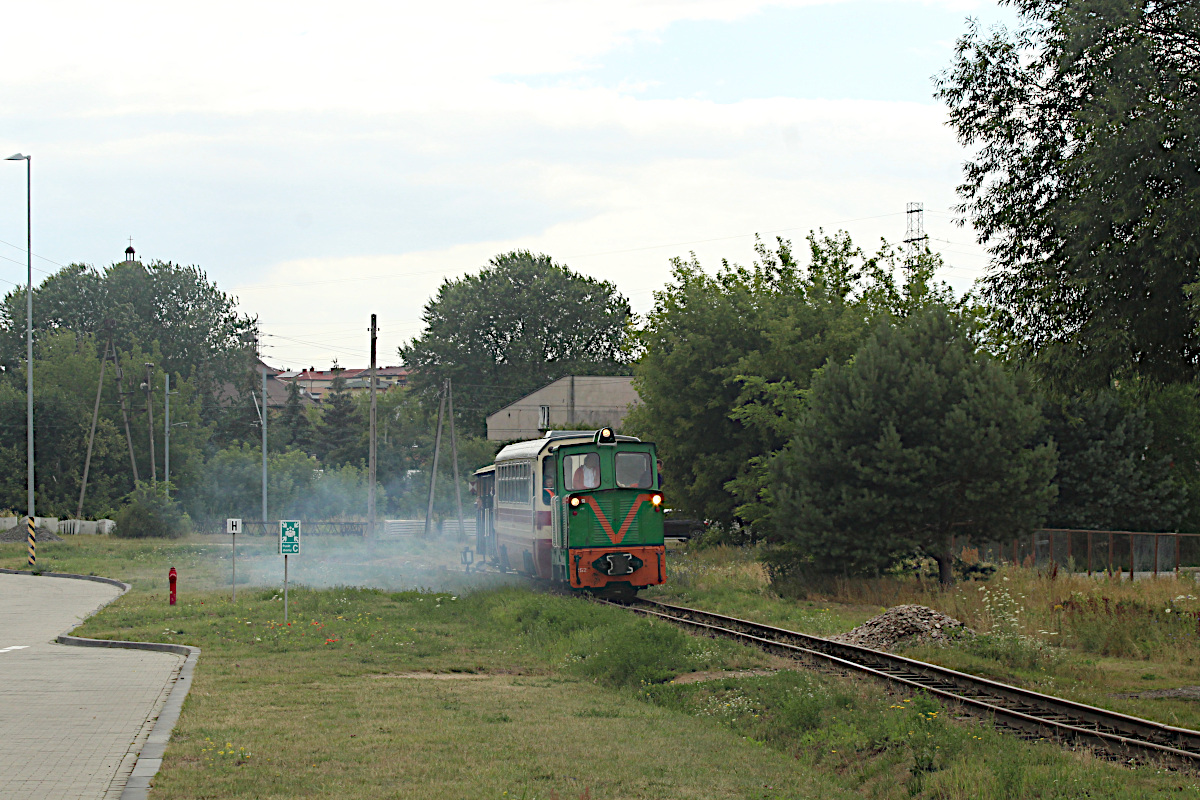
(289, 537)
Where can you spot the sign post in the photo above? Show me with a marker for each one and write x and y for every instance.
(289, 544)
(233, 527)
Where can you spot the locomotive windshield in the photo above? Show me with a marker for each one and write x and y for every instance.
(634, 471)
(582, 471)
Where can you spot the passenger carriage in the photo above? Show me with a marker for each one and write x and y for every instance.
(579, 508)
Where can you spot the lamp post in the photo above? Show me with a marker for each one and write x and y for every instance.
(28, 341)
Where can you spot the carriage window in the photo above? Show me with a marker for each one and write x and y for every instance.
(582, 471)
(634, 471)
(514, 483)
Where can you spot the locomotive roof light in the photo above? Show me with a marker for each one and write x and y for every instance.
(606, 436)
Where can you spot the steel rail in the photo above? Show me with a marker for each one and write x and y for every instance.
(1116, 734)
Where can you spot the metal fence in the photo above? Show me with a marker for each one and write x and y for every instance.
(385, 528)
(1111, 552)
(252, 528)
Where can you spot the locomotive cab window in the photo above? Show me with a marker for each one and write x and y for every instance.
(634, 471)
(547, 480)
(582, 471)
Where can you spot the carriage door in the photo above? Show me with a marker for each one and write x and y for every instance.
(558, 556)
(485, 527)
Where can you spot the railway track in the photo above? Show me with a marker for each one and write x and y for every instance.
(1029, 713)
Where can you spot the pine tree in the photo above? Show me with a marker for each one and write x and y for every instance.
(295, 422)
(920, 438)
(341, 427)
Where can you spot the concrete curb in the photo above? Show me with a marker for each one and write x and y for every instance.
(149, 760)
(124, 587)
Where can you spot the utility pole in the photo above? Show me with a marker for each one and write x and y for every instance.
(264, 443)
(124, 410)
(150, 418)
(371, 453)
(437, 447)
(167, 431)
(87, 462)
(462, 531)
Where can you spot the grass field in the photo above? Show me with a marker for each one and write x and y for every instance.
(1089, 639)
(433, 688)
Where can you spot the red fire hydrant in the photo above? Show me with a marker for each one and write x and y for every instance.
(171, 576)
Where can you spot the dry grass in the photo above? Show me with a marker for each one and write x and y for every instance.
(1093, 639)
(1047, 598)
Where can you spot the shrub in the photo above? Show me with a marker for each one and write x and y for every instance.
(150, 512)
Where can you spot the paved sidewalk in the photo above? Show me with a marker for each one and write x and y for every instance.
(72, 719)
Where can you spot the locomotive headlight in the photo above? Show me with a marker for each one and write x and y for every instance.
(574, 502)
(656, 499)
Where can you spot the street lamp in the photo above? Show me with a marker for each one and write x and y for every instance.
(28, 343)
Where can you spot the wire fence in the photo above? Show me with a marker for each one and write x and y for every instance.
(1111, 552)
(253, 528)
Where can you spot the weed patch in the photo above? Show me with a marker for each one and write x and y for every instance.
(895, 746)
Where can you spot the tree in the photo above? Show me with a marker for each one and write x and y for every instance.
(919, 438)
(1085, 124)
(66, 370)
(173, 309)
(1109, 477)
(294, 421)
(726, 360)
(342, 429)
(517, 325)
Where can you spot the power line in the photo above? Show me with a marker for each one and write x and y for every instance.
(35, 255)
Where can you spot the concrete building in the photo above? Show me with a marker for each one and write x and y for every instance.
(317, 382)
(277, 389)
(577, 401)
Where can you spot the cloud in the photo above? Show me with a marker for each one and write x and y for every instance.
(299, 151)
(236, 57)
(756, 166)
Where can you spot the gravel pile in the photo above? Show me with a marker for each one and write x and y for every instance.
(18, 534)
(904, 626)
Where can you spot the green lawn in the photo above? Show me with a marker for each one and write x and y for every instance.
(432, 688)
(502, 692)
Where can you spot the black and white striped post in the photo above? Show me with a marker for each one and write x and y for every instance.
(32, 543)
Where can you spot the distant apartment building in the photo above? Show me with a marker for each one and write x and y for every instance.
(317, 382)
(577, 401)
(277, 389)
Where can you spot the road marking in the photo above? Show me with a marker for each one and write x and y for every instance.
(14, 647)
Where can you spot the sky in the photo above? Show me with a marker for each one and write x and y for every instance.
(323, 162)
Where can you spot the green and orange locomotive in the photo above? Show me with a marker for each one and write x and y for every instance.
(582, 509)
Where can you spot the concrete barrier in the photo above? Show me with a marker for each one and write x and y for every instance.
(403, 527)
(7, 523)
(85, 527)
